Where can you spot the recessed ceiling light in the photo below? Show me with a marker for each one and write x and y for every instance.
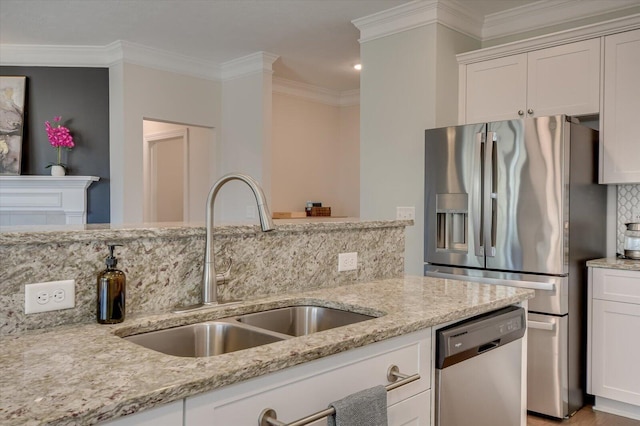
(358, 66)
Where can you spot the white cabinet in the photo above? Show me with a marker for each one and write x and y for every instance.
(303, 390)
(414, 411)
(496, 89)
(164, 415)
(563, 79)
(619, 135)
(613, 371)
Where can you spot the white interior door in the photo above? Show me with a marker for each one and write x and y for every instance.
(167, 177)
(167, 180)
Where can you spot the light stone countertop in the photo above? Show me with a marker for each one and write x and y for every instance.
(615, 263)
(85, 374)
(11, 235)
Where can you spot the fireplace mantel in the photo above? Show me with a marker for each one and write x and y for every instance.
(44, 200)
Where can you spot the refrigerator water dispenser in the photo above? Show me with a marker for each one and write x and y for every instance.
(452, 222)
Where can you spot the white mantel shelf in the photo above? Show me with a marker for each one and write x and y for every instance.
(44, 200)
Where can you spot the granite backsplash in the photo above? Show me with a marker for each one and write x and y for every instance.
(163, 264)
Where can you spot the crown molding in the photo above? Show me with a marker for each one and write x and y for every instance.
(416, 14)
(247, 65)
(106, 56)
(457, 16)
(53, 56)
(315, 93)
(600, 29)
(163, 60)
(546, 13)
(350, 98)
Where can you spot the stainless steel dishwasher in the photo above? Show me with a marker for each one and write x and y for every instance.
(479, 370)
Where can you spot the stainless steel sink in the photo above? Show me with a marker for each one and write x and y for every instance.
(203, 339)
(245, 331)
(302, 320)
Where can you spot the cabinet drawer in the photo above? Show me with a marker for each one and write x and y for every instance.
(616, 285)
(300, 391)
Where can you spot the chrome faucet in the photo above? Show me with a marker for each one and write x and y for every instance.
(210, 278)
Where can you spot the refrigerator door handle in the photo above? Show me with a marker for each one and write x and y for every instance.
(533, 285)
(539, 325)
(490, 196)
(477, 213)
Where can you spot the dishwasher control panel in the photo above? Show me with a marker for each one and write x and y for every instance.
(485, 332)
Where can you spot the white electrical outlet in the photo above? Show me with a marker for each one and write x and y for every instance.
(347, 261)
(635, 214)
(49, 296)
(405, 213)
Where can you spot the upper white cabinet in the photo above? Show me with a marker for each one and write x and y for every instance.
(619, 136)
(496, 89)
(563, 79)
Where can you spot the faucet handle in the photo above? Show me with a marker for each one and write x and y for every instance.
(224, 276)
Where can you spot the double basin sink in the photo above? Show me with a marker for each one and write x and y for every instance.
(244, 331)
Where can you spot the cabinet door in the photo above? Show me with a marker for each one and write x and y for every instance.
(164, 415)
(414, 411)
(564, 79)
(619, 135)
(496, 89)
(615, 371)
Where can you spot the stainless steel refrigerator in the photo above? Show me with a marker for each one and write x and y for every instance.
(517, 203)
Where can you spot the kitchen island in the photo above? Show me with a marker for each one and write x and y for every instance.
(85, 374)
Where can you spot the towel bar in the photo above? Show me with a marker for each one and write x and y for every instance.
(269, 417)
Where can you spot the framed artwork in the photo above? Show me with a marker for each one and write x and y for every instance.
(12, 95)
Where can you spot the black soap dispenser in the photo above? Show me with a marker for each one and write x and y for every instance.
(111, 291)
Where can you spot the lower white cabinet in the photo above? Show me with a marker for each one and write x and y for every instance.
(303, 390)
(165, 415)
(414, 411)
(613, 374)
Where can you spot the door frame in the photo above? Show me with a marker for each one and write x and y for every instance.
(149, 140)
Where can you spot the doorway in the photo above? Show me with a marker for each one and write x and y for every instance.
(179, 164)
(166, 176)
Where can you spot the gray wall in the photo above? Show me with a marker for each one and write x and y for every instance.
(81, 97)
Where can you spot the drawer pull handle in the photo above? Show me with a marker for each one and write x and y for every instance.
(539, 325)
(269, 417)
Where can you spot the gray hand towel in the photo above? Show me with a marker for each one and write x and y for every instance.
(364, 408)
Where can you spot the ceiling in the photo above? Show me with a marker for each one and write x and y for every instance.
(315, 39)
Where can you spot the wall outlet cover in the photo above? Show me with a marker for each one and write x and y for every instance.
(405, 213)
(347, 261)
(49, 296)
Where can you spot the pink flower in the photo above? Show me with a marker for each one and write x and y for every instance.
(59, 136)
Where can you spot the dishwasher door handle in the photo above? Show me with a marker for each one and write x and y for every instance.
(488, 346)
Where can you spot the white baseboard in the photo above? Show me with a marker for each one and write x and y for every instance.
(618, 408)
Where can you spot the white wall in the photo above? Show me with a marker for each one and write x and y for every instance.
(349, 170)
(315, 155)
(136, 93)
(245, 144)
(402, 93)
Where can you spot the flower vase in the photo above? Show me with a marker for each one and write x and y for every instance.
(57, 170)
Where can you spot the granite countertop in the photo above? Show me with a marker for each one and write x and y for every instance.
(615, 263)
(10, 235)
(85, 374)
